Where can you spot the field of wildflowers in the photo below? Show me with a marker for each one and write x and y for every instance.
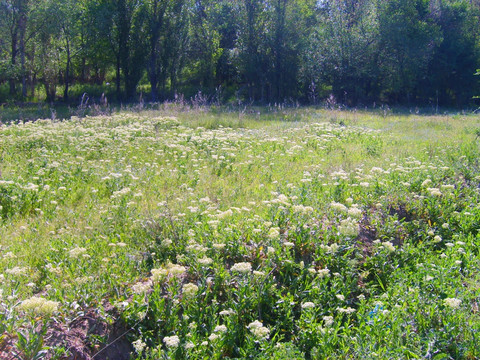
(310, 234)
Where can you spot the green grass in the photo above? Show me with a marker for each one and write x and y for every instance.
(261, 233)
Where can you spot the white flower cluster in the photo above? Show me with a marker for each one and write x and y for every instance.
(434, 191)
(139, 345)
(39, 306)
(169, 269)
(205, 261)
(220, 328)
(323, 273)
(308, 305)
(389, 246)
(453, 303)
(227, 312)
(17, 270)
(349, 227)
(338, 207)
(328, 321)
(141, 287)
(302, 209)
(189, 290)
(242, 267)
(259, 330)
(348, 310)
(171, 341)
(76, 252)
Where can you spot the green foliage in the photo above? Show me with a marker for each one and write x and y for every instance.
(274, 51)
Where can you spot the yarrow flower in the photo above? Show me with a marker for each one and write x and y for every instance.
(349, 227)
(226, 312)
(259, 330)
(273, 233)
(328, 320)
(39, 306)
(434, 191)
(389, 246)
(158, 274)
(17, 270)
(171, 341)
(348, 310)
(205, 261)
(323, 273)
(453, 303)
(308, 305)
(139, 345)
(213, 337)
(426, 182)
(141, 287)
(220, 328)
(338, 207)
(355, 212)
(76, 252)
(189, 290)
(242, 267)
(302, 209)
(175, 269)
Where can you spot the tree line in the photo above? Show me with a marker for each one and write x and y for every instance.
(354, 51)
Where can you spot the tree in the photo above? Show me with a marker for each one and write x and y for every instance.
(290, 23)
(69, 14)
(168, 23)
(455, 59)
(408, 38)
(205, 43)
(14, 20)
(344, 50)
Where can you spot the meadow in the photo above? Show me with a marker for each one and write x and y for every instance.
(286, 234)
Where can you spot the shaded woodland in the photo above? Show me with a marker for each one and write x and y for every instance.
(354, 52)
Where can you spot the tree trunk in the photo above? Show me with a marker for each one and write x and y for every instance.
(13, 60)
(23, 27)
(32, 85)
(50, 90)
(67, 72)
(33, 74)
(117, 79)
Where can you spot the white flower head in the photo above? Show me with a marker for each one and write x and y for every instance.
(308, 305)
(39, 306)
(171, 341)
(242, 267)
(323, 273)
(189, 290)
(338, 207)
(220, 328)
(328, 321)
(76, 252)
(453, 303)
(139, 345)
(389, 246)
(259, 330)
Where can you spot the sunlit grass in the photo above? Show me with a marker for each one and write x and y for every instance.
(297, 233)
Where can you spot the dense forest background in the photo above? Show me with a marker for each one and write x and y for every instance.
(354, 52)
